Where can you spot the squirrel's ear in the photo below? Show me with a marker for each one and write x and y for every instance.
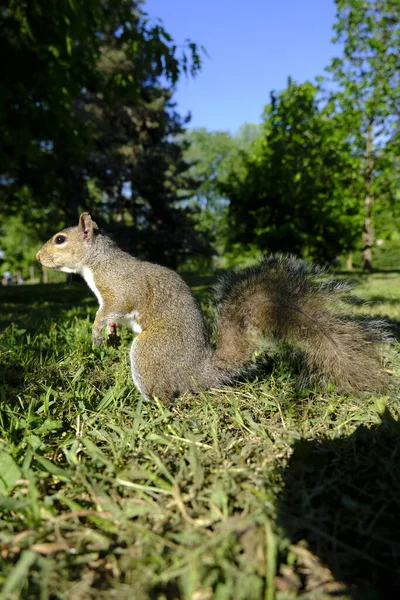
(87, 226)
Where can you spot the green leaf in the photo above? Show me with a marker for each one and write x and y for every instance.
(9, 472)
(51, 468)
(68, 43)
(55, 51)
(16, 579)
(48, 425)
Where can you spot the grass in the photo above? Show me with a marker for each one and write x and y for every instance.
(252, 492)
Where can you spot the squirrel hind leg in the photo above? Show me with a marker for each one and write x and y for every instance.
(153, 373)
(137, 377)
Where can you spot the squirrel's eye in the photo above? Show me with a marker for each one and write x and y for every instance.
(60, 239)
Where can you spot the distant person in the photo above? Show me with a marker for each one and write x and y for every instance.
(7, 279)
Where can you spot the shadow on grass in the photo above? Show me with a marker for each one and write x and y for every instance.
(375, 300)
(32, 306)
(342, 497)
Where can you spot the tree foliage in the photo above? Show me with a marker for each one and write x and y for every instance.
(86, 121)
(213, 156)
(139, 177)
(368, 76)
(297, 191)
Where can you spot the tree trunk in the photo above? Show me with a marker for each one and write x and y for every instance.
(349, 262)
(367, 236)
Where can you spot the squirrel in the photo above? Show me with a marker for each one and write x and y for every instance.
(280, 298)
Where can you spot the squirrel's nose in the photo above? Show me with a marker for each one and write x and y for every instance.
(38, 256)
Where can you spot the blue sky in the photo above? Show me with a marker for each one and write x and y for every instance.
(253, 47)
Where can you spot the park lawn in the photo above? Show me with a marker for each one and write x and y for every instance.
(258, 491)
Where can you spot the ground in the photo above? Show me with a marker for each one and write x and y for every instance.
(255, 491)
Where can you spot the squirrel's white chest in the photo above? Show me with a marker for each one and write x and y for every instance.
(88, 277)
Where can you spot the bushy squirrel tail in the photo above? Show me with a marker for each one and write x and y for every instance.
(288, 300)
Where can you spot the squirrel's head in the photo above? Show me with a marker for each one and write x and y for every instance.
(69, 249)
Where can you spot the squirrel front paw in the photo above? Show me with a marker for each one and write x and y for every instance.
(113, 339)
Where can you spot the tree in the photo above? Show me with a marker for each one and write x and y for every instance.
(369, 89)
(387, 210)
(95, 128)
(54, 60)
(298, 192)
(136, 168)
(212, 156)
